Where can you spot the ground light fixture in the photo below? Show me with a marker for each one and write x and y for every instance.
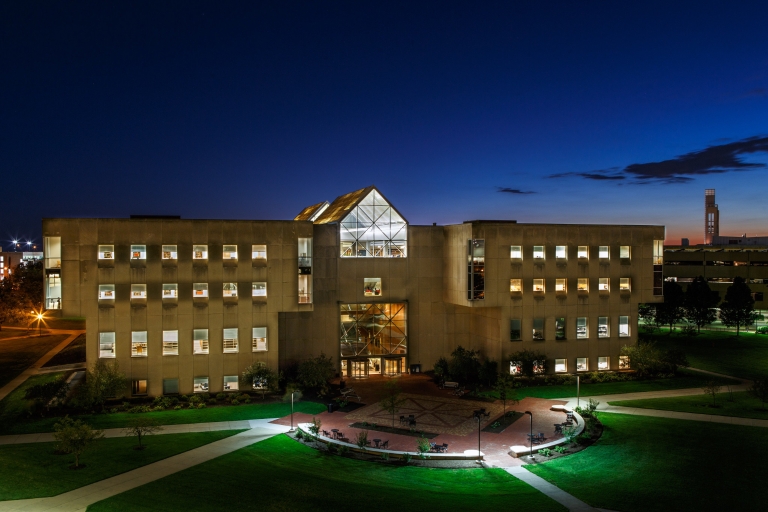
(39, 316)
(529, 413)
(480, 415)
(292, 429)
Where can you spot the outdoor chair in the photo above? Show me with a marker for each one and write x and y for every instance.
(326, 433)
(385, 444)
(558, 429)
(444, 448)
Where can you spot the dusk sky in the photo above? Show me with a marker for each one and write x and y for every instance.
(565, 112)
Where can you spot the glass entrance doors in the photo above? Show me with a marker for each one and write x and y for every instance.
(359, 369)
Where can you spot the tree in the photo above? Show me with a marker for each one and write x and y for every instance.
(506, 388)
(648, 361)
(21, 292)
(261, 377)
(759, 390)
(671, 310)
(647, 312)
(738, 309)
(43, 394)
(103, 381)
(75, 436)
(464, 365)
(700, 303)
(712, 388)
(142, 426)
(314, 373)
(392, 400)
(441, 370)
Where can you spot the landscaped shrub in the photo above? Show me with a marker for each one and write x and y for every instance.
(361, 440)
(183, 398)
(315, 426)
(235, 401)
(546, 452)
(195, 399)
(177, 407)
(201, 406)
(560, 449)
(648, 361)
(221, 396)
(559, 380)
(140, 408)
(211, 401)
(314, 374)
(441, 370)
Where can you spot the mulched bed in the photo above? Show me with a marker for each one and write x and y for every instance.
(576, 447)
(390, 430)
(503, 422)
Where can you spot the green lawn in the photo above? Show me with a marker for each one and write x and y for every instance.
(20, 424)
(33, 470)
(14, 408)
(743, 405)
(18, 355)
(745, 356)
(686, 379)
(652, 464)
(280, 474)
(72, 353)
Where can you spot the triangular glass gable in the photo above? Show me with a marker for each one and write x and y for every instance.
(370, 228)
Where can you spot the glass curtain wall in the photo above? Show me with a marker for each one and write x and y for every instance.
(373, 229)
(373, 330)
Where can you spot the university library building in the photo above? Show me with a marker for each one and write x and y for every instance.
(168, 298)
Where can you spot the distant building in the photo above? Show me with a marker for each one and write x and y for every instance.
(9, 261)
(740, 240)
(685, 242)
(711, 216)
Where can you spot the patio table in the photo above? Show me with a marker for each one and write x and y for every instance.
(376, 442)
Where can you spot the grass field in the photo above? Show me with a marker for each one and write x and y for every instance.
(18, 355)
(72, 353)
(280, 474)
(686, 379)
(652, 464)
(745, 356)
(743, 405)
(15, 420)
(34, 470)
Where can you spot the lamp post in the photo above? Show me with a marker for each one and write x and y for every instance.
(292, 429)
(39, 324)
(529, 413)
(479, 415)
(577, 390)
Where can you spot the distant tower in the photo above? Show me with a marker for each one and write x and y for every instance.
(711, 216)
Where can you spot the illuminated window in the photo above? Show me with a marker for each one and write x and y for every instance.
(139, 344)
(230, 340)
(229, 253)
(560, 328)
(624, 252)
(170, 291)
(230, 290)
(259, 252)
(658, 262)
(538, 329)
(603, 330)
(138, 252)
(604, 252)
(623, 362)
(259, 342)
(515, 330)
(200, 385)
(231, 383)
(106, 344)
(139, 387)
(561, 285)
(476, 270)
(170, 343)
(623, 326)
(516, 252)
(199, 290)
(516, 285)
(304, 246)
(106, 292)
(624, 284)
(259, 289)
(538, 285)
(170, 252)
(538, 252)
(200, 252)
(515, 367)
(582, 285)
(138, 291)
(372, 286)
(583, 252)
(603, 284)
(582, 330)
(581, 364)
(106, 252)
(560, 366)
(200, 341)
(373, 229)
(603, 363)
(561, 252)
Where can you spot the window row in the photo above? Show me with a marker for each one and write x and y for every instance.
(171, 291)
(561, 252)
(170, 347)
(561, 285)
(561, 365)
(171, 386)
(581, 328)
(170, 252)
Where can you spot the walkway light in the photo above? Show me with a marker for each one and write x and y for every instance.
(529, 413)
(479, 415)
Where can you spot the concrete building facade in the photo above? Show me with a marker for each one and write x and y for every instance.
(185, 305)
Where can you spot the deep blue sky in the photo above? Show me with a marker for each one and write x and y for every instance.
(256, 109)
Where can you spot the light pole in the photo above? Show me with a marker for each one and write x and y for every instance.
(577, 390)
(292, 429)
(479, 415)
(39, 324)
(529, 413)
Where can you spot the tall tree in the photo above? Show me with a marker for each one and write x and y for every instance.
(700, 303)
(21, 292)
(738, 308)
(392, 399)
(671, 310)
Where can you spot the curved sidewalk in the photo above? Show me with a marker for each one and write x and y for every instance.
(80, 499)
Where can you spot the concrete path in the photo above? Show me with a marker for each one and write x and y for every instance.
(80, 499)
(47, 437)
(567, 500)
(32, 370)
(657, 413)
